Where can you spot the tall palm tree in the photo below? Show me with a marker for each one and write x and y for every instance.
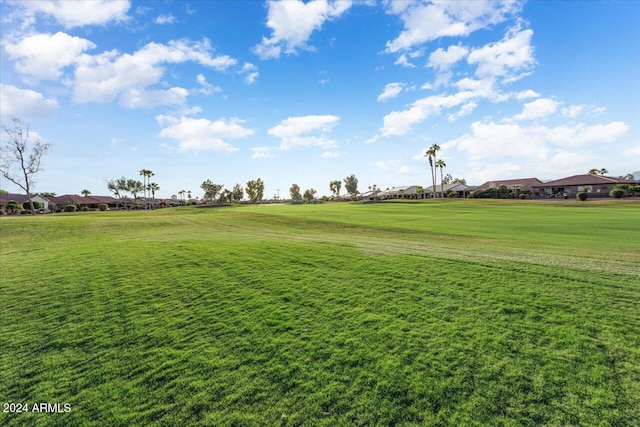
(181, 193)
(189, 195)
(146, 174)
(430, 154)
(85, 192)
(143, 174)
(441, 164)
(153, 187)
(434, 152)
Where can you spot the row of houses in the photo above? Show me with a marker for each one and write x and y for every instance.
(91, 202)
(594, 185)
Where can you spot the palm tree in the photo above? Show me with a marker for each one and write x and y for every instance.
(153, 187)
(123, 189)
(189, 195)
(135, 187)
(598, 171)
(181, 193)
(441, 164)
(430, 154)
(146, 174)
(85, 192)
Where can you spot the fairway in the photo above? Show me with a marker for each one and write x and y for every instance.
(447, 312)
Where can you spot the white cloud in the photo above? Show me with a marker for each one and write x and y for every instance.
(16, 102)
(482, 88)
(541, 107)
(465, 110)
(489, 140)
(480, 172)
(165, 19)
(261, 153)
(506, 57)
(396, 166)
(111, 75)
(426, 21)
(574, 111)
(400, 122)
(330, 155)
(43, 56)
(143, 98)
(294, 131)
(206, 87)
(79, 13)
(402, 60)
(444, 59)
(526, 94)
(579, 134)
(391, 90)
(202, 134)
(569, 163)
(250, 72)
(292, 23)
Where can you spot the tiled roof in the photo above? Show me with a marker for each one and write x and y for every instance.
(587, 179)
(523, 182)
(20, 198)
(447, 187)
(73, 198)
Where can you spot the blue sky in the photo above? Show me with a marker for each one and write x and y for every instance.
(308, 92)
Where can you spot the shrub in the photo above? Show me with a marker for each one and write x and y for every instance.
(523, 196)
(616, 194)
(13, 207)
(84, 209)
(582, 196)
(484, 194)
(453, 194)
(70, 208)
(103, 207)
(36, 205)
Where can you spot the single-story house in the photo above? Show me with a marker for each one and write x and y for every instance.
(519, 185)
(595, 185)
(112, 202)
(22, 198)
(462, 189)
(74, 199)
(405, 192)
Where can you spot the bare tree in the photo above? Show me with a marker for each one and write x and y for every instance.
(20, 157)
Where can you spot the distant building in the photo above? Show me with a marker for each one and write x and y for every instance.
(592, 184)
(520, 185)
(22, 198)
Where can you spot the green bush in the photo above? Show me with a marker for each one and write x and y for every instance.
(103, 207)
(70, 208)
(84, 209)
(13, 207)
(484, 194)
(582, 196)
(616, 194)
(523, 196)
(36, 205)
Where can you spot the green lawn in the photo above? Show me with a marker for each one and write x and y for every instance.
(439, 313)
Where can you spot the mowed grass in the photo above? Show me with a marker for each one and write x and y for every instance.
(443, 313)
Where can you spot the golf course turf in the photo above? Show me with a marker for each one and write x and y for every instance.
(446, 312)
